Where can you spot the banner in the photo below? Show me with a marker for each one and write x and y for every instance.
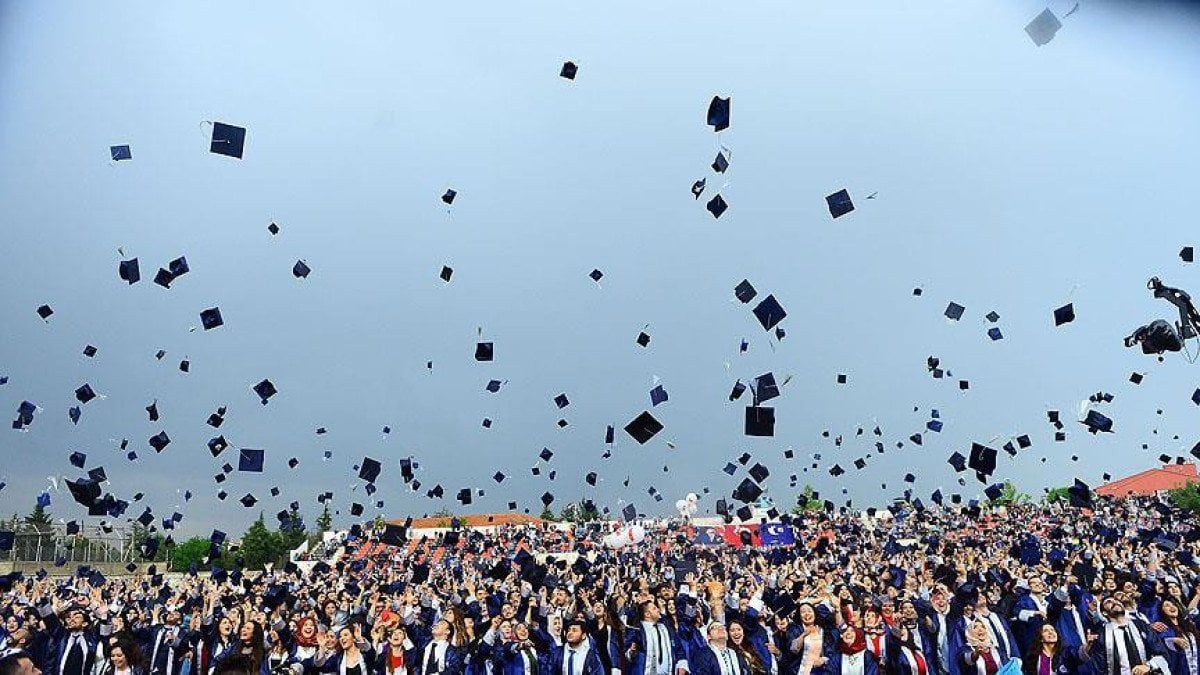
(777, 534)
(708, 536)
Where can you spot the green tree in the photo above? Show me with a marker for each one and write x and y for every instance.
(1058, 494)
(1186, 497)
(1009, 496)
(260, 546)
(291, 531)
(546, 514)
(191, 552)
(39, 521)
(807, 501)
(324, 521)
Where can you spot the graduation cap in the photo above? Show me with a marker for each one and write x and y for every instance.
(982, 459)
(248, 501)
(836, 470)
(629, 512)
(546, 454)
(716, 206)
(227, 140)
(369, 470)
(568, 70)
(45, 311)
(97, 474)
(738, 390)
(160, 441)
(698, 188)
(85, 393)
(1043, 27)
(211, 318)
(265, 390)
(759, 472)
(994, 491)
(1079, 494)
(251, 459)
(84, 491)
(217, 445)
(958, 461)
(760, 421)
(992, 317)
(596, 275)
(77, 459)
(765, 388)
(1136, 378)
(721, 163)
(744, 291)
(1186, 254)
(356, 509)
(273, 228)
(74, 413)
(718, 113)
(447, 272)
(464, 496)
(449, 195)
(483, 351)
(995, 334)
(839, 203)
(643, 427)
(841, 378)
(129, 271)
(1097, 422)
(152, 411)
(120, 152)
(769, 312)
(591, 478)
(561, 401)
(1066, 313)
(954, 312)
(301, 270)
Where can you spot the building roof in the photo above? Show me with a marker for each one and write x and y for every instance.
(1151, 481)
(474, 520)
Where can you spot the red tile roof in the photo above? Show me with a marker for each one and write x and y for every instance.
(1150, 481)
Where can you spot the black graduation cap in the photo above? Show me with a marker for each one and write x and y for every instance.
(97, 474)
(483, 351)
(464, 496)
(958, 462)
(215, 421)
(301, 270)
(265, 390)
(273, 228)
(698, 188)
(760, 421)
(744, 291)
(1097, 422)
(89, 351)
(718, 113)
(982, 459)
(992, 316)
(596, 275)
(769, 312)
(1023, 441)
(122, 152)
(629, 512)
(721, 163)
(85, 393)
(248, 500)
(251, 459)
(447, 272)
(369, 470)
(738, 390)
(591, 478)
(211, 318)
(568, 70)
(643, 427)
(860, 464)
(1136, 378)
(547, 499)
(45, 311)
(78, 459)
(759, 472)
(717, 205)
(152, 411)
(217, 445)
(1186, 254)
(561, 401)
(449, 195)
(164, 278)
(1064, 314)
(160, 441)
(994, 491)
(765, 388)
(84, 491)
(839, 203)
(129, 271)
(836, 470)
(1080, 494)
(954, 311)
(227, 140)
(841, 378)
(546, 454)
(356, 509)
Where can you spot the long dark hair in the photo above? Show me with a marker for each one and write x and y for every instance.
(1182, 624)
(254, 649)
(133, 653)
(747, 652)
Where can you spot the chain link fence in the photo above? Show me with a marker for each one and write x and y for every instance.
(53, 546)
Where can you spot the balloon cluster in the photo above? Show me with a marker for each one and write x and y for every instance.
(687, 506)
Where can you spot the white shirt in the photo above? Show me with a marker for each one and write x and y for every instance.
(854, 664)
(657, 638)
(580, 652)
(727, 660)
(438, 649)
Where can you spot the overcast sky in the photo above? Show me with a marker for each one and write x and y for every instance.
(1010, 177)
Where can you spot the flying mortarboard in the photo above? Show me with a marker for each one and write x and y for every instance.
(227, 140)
(744, 291)
(717, 206)
(839, 203)
(128, 271)
(483, 351)
(449, 195)
(718, 113)
(251, 460)
(954, 311)
(211, 318)
(568, 70)
(265, 390)
(369, 470)
(447, 272)
(658, 395)
(160, 441)
(78, 459)
(721, 163)
(120, 152)
(643, 427)
(1043, 27)
(760, 421)
(769, 312)
(301, 270)
(1064, 314)
(248, 500)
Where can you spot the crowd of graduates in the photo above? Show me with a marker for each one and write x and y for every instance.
(1108, 589)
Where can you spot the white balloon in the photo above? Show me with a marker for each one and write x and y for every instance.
(681, 505)
(692, 498)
